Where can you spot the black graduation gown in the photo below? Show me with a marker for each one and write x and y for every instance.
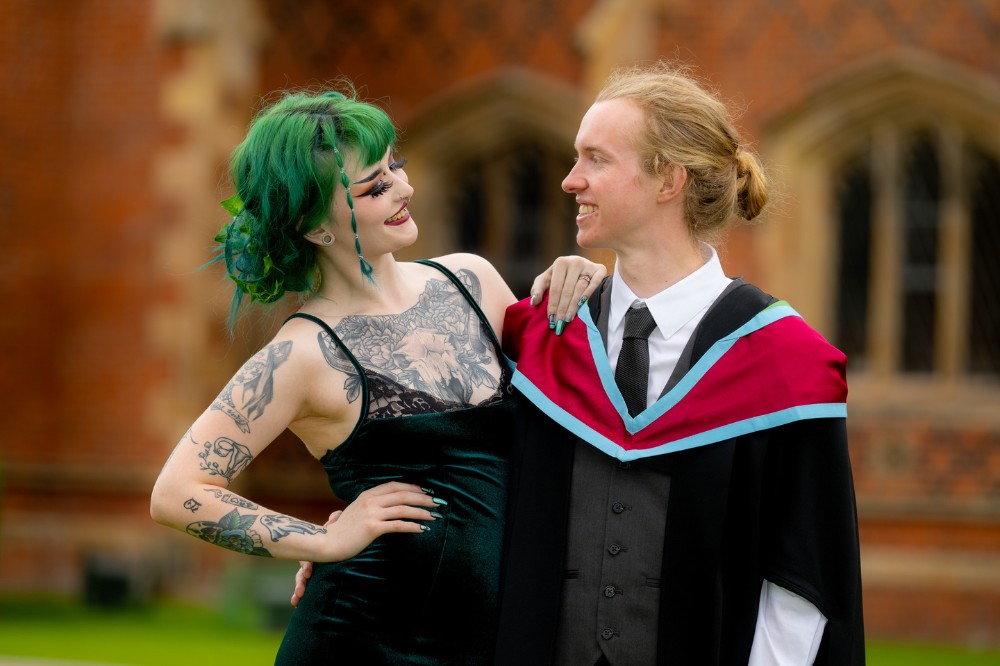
(776, 504)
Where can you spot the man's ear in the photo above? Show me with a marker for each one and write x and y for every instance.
(674, 178)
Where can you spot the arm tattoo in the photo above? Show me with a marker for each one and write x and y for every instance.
(254, 384)
(235, 500)
(192, 505)
(281, 526)
(232, 532)
(438, 346)
(224, 457)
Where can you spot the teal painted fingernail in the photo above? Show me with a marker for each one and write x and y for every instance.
(435, 514)
(560, 325)
(583, 301)
(438, 500)
(427, 491)
(425, 528)
(552, 321)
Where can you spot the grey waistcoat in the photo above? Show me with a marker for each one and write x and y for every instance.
(614, 554)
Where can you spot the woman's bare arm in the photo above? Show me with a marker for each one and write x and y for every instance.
(270, 391)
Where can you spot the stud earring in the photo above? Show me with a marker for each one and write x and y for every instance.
(327, 239)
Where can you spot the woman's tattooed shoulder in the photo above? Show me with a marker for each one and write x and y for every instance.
(251, 390)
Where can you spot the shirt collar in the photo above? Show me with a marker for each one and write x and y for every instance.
(677, 304)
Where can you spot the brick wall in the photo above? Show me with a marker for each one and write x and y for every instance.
(78, 124)
(413, 51)
(929, 501)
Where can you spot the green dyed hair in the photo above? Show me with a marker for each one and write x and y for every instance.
(286, 173)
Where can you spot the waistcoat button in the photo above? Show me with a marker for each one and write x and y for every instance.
(617, 507)
(607, 634)
(614, 549)
(609, 591)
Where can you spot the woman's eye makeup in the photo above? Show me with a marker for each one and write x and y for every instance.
(380, 188)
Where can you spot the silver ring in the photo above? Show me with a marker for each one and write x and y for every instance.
(585, 277)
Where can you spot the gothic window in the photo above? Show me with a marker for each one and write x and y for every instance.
(918, 272)
(921, 204)
(509, 207)
(854, 197)
(984, 265)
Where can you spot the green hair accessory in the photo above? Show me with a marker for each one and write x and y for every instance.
(233, 205)
(255, 274)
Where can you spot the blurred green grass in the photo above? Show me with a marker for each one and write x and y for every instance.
(167, 634)
(161, 634)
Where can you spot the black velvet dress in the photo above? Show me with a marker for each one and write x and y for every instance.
(425, 598)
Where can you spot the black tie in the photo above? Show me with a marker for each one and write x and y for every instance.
(632, 372)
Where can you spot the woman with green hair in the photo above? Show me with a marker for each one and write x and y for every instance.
(391, 375)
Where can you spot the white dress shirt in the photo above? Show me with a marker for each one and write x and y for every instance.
(789, 628)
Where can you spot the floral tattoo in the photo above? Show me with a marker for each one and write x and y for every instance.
(438, 347)
(224, 457)
(232, 532)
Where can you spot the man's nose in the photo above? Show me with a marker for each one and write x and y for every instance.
(572, 182)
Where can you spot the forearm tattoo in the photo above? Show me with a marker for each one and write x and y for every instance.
(281, 526)
(438, 346)
(230, 498)
(232, 532)
(224, 457)
(245, 398)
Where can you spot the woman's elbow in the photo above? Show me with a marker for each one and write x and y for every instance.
(160, 502)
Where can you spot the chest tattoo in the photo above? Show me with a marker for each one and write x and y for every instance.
(439, 347)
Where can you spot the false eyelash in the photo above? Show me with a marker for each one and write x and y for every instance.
(381, 187)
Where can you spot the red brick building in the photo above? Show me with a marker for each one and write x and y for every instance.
(879, 120)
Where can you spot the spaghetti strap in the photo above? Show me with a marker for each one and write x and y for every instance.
(465, 292)
(350, 357)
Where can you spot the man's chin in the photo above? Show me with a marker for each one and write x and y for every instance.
(586, 241)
